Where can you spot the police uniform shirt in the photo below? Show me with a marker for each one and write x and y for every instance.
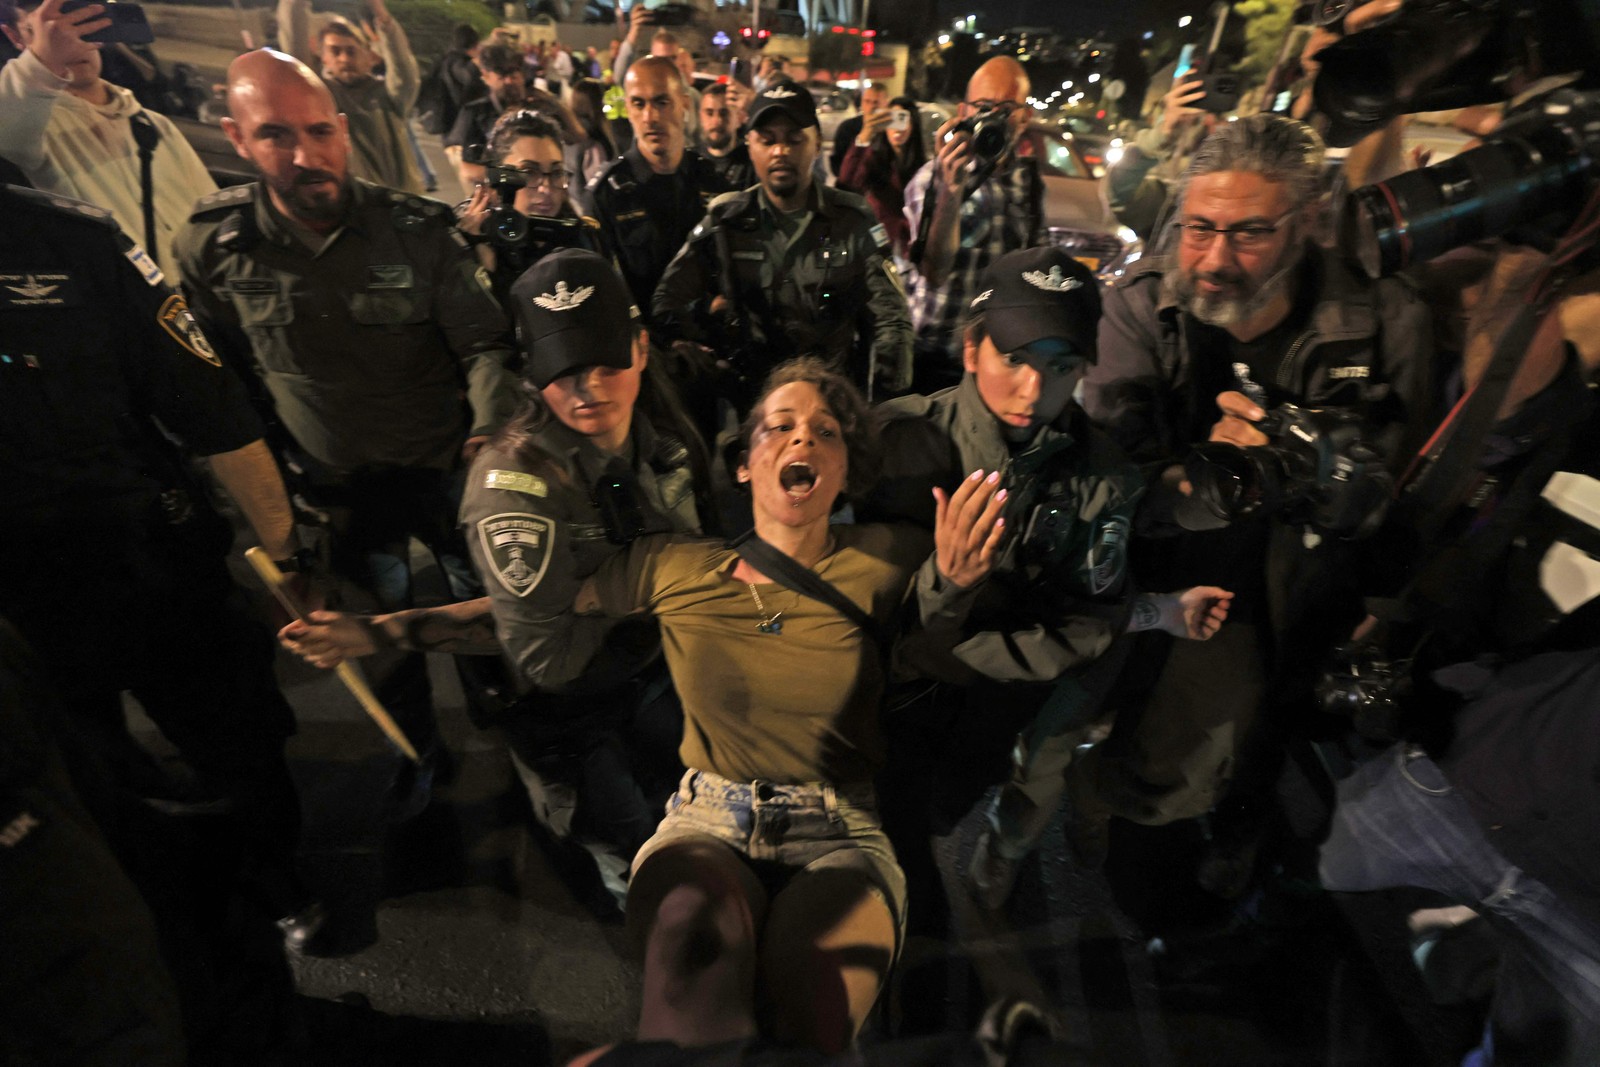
(735, 168)
(818, 282)
(536, 527)
(366, 343)
(95, 345)
(645, 217)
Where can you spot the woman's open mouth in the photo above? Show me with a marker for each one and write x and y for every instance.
(799, 480)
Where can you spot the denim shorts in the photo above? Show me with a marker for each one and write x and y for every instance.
(785, 829)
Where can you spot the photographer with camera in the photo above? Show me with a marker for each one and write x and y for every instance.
(521, 212)
(978, 199)
(1249, 314)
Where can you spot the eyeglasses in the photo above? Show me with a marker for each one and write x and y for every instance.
(533, 176)
(1240, 238)
(991, 105)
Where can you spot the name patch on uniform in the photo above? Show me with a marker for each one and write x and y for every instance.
(389, 276)
(757, 256)
(253, 286)
(516, 482)
(178, 321)
(144, 264)
(1108, 555)
(50, 290)
(517, 547)
(1336, 373)
(629, 216)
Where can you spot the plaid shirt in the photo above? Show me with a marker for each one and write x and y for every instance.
(1004, 214)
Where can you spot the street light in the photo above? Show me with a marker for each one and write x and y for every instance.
(1066, 85)
(1093, 78)
(1183, 23)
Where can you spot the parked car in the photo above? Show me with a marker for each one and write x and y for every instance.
(833, 107)
(1075, 210)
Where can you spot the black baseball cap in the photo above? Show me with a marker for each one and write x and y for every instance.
(784, 97)
(575, 312)
(1039, 293)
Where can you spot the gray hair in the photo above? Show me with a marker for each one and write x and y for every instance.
(1277, 148)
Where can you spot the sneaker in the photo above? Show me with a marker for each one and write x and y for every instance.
(990, 875)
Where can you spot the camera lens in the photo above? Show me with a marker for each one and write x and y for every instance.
(508, 226)
(1517, 177)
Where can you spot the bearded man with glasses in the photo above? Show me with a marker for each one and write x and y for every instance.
(1244, 314)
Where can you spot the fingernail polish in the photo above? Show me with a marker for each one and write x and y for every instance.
(1001, 495)
(994, 476)
(975, 476)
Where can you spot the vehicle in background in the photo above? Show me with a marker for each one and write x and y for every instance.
(1080, 220)
(833, 107)
(1093, 139)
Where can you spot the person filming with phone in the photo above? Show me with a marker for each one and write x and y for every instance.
(74, 133)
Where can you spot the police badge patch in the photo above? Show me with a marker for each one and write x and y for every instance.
(1108, 556)
(176, 319)
(517, 547)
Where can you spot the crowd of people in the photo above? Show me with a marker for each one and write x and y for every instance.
(794, 505)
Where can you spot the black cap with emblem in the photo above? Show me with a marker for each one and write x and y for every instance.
(786, 98)
(574, 311)
(1039, 293)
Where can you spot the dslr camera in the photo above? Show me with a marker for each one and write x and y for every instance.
(1315, 470)
(1529, 180)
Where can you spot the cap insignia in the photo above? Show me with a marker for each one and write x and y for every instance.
(1054, 282)
(563, 299)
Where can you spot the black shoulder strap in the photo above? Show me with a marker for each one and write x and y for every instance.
(807, 582)
(146, 136)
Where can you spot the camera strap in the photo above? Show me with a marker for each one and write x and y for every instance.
(783, 569)
(146, 136)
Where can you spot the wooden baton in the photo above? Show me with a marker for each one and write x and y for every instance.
(273, 578)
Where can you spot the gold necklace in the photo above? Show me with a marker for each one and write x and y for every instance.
(773, 624)
(770, 624)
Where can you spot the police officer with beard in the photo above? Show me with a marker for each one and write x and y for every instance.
(801, 269)
(364, 318)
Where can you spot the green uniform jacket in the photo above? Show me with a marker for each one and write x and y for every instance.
(1059, 593)
(829, 290)
(365, 347)
(535, 521)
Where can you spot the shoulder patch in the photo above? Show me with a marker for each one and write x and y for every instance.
(880, 236)
(144, 264)
(516, 482)
(177, 320)
(517, 547)
(232, 196)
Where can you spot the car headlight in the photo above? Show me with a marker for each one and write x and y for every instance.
(1113, 155)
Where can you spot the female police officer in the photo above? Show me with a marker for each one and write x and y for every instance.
(566, 484)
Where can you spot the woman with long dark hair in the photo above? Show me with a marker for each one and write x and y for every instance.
(886, 154)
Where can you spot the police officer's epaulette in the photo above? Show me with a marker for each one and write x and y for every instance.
(1146, 266)
(223, 199)
(233, 209)
(409, 213)
(56, 204)
(913, 407)
(739, 210)
(590, 222)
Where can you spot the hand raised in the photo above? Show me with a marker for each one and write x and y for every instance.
(967, 528)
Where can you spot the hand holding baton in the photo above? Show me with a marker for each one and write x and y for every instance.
(273, 578)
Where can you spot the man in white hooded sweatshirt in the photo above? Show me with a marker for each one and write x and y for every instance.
(72, 132)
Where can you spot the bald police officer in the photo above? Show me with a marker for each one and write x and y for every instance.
(364, 318)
